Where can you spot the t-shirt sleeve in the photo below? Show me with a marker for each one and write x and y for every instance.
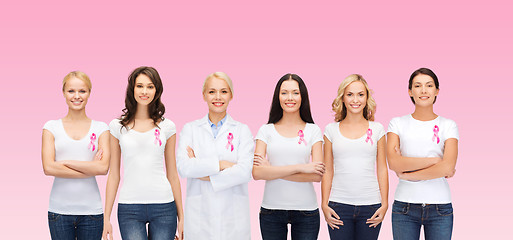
(102, 127)
(115, 128)
(393, 126)
(327, 132)
(50, 126)
(451, 131)
(263, 133)
(169, 128)
(380, 130)
(316, 134)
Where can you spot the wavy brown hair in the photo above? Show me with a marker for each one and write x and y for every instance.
(156, 109)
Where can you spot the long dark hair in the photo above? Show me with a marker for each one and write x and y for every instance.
(425, 71)
(276, 112)
(156, 109)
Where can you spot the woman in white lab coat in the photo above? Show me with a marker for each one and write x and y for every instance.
(215, 154)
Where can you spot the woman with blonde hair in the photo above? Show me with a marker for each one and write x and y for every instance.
(355, 185)
(75, 149)
(215, 154)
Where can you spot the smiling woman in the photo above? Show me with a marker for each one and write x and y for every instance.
(75, 149)
(146, 140)
(215, 154)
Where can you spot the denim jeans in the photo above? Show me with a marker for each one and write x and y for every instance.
(80, 227)
(354, 218)
(160, 217)
(407, 219)
(304, 225)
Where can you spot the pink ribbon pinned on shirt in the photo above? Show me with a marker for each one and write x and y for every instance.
(91, 144)
(369, 135)
(157, 138)
(435, 134)
(229, 145)
(301, 137)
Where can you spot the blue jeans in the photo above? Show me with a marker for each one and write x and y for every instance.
(161, 219)
(80, 227)
(304, 225)
(407, 219)
(354, 218)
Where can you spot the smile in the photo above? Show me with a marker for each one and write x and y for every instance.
(218, 104)
(290, 104)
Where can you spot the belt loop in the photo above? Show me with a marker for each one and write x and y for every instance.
(423, 205)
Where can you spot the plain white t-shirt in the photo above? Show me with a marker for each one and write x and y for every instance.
(144, 178)
(282, 151)
(354, 161)
(423, 139)
(75, 196)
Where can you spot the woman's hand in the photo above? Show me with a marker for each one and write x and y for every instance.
(260, 161)
(314, 167)
(179, 231)
(378, 217)
(190, 152)
(331, 217)
(107, 230)
(223, 164)
(98, 156)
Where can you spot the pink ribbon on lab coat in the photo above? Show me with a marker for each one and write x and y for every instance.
(229, 145)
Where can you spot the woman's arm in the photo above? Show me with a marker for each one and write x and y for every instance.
(262, 170)
(309, 177)
(382, 172)
(444, 168)
(193, 167)
(172, 177)
(112, 185)
(99, 166)
(239, 172)
(50, 166)
(330, 215)
(401, 164)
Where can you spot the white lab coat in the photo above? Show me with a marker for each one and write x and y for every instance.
(217, 209)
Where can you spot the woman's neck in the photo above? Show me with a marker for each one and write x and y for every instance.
(354, 118)
(424, 113)
(291, 118)
(215, 117)
(142, 112)
(76, 115)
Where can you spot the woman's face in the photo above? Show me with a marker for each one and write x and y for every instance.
(76, 94)
(355, 97)
(217, 95)
(144, 90)
(290, 96)
(423, 90)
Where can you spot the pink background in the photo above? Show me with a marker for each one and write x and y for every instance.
(468, 44)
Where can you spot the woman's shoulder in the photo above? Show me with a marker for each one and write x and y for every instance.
(376, 125)
(166, 122)
(51, 124)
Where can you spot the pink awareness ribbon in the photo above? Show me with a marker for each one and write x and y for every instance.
(301, 137)
(435, 134)
(229, 145)
(369, 135)
(91, 144)
(157, 138)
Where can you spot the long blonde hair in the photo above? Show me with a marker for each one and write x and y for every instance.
(340, 109)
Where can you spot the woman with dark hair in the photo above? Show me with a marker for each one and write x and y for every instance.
(75, 149)
(355, 186)
(145, 138)
(289, 140)
(422, 149)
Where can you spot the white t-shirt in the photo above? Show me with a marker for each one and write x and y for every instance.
(144, 178)
(282, 151)
(354, 160)
(423, 139)
(75, 196)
